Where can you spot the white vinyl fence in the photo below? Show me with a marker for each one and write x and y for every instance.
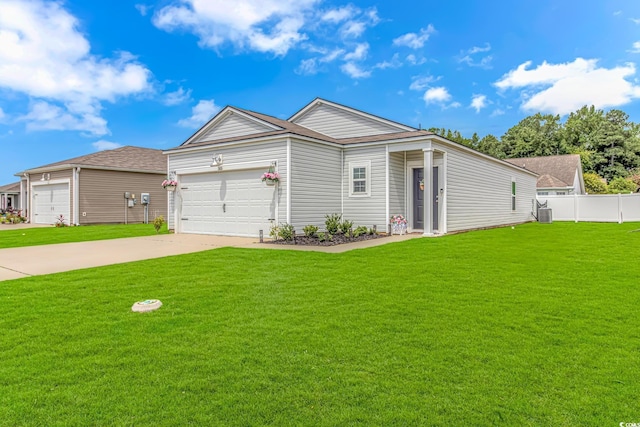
(594, 207)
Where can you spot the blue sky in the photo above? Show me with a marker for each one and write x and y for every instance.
(80, 76)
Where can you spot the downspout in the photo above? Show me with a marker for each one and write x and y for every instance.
(28, 198)
(386, 184)
(342, 181)
(76, 196)
(288, 180)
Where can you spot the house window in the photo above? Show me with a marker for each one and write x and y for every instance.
(543, 193)
(359, 177)
(561, 193)
(513, 195)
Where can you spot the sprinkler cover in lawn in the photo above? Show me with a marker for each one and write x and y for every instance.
(146, 305)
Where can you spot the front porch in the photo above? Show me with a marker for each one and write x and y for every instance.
(417, 187)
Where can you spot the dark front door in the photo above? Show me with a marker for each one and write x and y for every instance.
(418, 199)
(436, 197)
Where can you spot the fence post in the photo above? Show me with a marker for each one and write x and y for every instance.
(619, 208)
(576, 210)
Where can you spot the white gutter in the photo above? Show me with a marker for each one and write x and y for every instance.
(28, 199)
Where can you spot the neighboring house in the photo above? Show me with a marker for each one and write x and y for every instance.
(336, 159)
(558, 175)
(91, 189)
(10, 196)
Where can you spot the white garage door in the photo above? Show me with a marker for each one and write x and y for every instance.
(49, 202)
(232, 203)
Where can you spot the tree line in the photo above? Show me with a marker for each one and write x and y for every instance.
(608, 143)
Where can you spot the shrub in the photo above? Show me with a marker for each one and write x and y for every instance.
(158, 222)
(322, 236)
(372, 231)
(310, 230)
(287, 232)
(359, 231)
(593, 183)
(332, 223)
(60, 221)
(621, 185)
(345, 226)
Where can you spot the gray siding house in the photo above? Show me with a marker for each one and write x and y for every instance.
(90, 189)
(10, 196)
(336, 159)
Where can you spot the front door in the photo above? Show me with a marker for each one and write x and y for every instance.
(418, 199)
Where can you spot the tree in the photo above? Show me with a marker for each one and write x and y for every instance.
(537, 135)
(492, 146)
(621, 185)
(594, 184)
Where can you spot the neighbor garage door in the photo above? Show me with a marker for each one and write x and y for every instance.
(49, 202)
(232, 203)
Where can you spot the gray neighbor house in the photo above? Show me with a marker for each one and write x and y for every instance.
(91, 189)
(335, 159)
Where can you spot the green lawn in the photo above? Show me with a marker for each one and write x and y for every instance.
(50, 235)
(533, 326)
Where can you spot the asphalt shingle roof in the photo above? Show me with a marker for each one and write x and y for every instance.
(128, 158)
(554, 171)
(10, 188)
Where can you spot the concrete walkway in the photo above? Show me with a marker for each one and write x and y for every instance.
(27, 261)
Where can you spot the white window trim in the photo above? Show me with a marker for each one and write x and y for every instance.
(360, 164)
(514, 195)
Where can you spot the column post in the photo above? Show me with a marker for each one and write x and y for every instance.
(428, 192)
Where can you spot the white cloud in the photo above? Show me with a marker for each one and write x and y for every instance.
(411, 59)
(200, 114)
(332, 56)
(354, 71)
(45, 116)
(478, 102)
(353, 29)
(105, 145)
(3, 116)
(635, 48)
(177, 97)
(563, 88)
(436, 95)
(307, 67)
(617, 13)
(413, 40)
(467, 57)
(420, 83)
(635, 20)
(143, 9)
(393, 63)
(261, 25)
(359, 53)
(44, 56)
(340, 14)
(497, 112)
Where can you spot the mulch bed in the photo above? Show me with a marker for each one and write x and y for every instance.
(338, 239)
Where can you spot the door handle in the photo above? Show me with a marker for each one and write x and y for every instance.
(224, 207)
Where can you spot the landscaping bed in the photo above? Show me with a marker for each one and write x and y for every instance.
(338, 239)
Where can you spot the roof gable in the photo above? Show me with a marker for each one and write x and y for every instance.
(561, 168)
(339, 121)
(229, 123)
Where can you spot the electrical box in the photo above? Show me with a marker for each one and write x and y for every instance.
(127, 195)
(144, 198)
(131, 203)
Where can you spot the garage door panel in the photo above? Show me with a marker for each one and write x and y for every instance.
(228, 203)
(50, 201)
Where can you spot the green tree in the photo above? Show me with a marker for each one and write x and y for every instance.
(622, 185)
(492, 146)
(594, 184)
(537, 135)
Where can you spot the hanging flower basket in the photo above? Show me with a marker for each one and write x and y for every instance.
(421, 183)
(169, 184)
(270, 178)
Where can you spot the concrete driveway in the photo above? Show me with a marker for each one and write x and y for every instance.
(16, 263)
(35, 260)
